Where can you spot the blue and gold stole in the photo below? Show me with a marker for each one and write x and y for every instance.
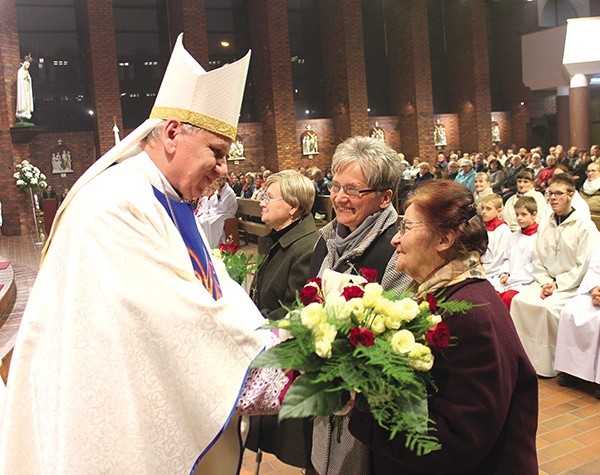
(186, 224)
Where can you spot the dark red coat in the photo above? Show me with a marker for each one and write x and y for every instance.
(486, 408)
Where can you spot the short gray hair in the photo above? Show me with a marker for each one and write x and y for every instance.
(152, 137)
(378, 162)
(297, 190)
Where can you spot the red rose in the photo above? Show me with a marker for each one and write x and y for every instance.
(369, 274)
(309, 294)
(223, 248)
(432, 301)
(361, 336)
(352, 292)
(315, 280)
(231, 247)
(438, 337)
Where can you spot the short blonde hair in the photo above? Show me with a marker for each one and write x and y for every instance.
(482, 175)
(297, 190)
(495, 200)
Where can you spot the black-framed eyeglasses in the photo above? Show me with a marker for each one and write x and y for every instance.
(350, 190)
(402, 225)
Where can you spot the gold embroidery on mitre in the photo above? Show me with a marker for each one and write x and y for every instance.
(199, 120)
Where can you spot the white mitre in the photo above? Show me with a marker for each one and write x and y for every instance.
(210, 100)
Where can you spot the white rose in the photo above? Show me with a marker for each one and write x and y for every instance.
(16, 175)
(420, 357)
(378, 325)
(403, 341)
(356, 307)
(407, 308)
(435, 319)
(312, 315)
(20, 183)
(372, 293)
(323, 348)
(336, 306)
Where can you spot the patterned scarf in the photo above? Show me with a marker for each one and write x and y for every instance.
(452, 273)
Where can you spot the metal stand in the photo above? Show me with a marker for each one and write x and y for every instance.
(38, 240)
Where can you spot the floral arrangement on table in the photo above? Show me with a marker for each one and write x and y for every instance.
(29, 176)
(238, 264)
(350, 338)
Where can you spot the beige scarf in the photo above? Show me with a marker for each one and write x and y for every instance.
(452, 273)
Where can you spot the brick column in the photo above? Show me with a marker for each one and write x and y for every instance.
(344, 77)
(16, 211)
(98, 42)
(271, 69)
(410, 75)
(579, 111)
(469, 72)
(188, 16)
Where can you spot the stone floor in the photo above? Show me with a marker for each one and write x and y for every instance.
(568, 437)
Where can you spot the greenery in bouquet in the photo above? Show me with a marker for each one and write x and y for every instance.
(29, 176)
(350, 337)
(238, 263)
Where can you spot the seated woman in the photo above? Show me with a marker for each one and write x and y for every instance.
(365, 176)
(497, 176)
(485, 408)
(482, 189)
(286, 206)
(590, 191)
(424, 173)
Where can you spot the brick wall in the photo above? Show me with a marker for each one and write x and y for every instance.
(189, 16)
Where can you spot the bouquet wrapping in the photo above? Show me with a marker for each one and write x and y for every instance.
(350, 337)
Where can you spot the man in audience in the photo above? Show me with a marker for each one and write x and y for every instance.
(565, 244)
(509, 187)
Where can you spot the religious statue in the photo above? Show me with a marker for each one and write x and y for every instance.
(24, 90)
(495, 132)
(236, 149)
(310, 142)
(377, 132)
(439, 134)
(62, 162)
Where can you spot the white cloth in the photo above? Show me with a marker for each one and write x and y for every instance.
(212, 213)
(562, 256)
(578, 340)
(510, 216)
(591, 187)
(124, 363)
(493, 257)
(517, 261)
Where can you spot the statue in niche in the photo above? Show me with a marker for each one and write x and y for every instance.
(24, 91)
(439, 134)
(495, 132)
(236, 149)
(377, 132)
(62, 160)
(310, 142)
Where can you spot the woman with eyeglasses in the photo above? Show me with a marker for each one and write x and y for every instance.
(485, 408)
(365, 175)
(286, 206)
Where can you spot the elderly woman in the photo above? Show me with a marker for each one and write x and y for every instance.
(482, 189)
(424, 173)
(365, 175)
(286, 207)
(590, 191)
(484, 411)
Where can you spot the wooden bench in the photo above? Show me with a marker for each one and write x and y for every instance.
(596, 220)
(323, 206)
(249, 223)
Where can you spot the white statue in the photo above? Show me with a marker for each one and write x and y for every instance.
(24, 90)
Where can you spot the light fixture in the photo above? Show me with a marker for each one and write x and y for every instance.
(225, 44)
(522, 103)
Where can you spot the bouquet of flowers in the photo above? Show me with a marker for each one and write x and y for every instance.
(238, 263)
(350, 337)
(29, 176)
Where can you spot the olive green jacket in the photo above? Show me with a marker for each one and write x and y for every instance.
(284, 270)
